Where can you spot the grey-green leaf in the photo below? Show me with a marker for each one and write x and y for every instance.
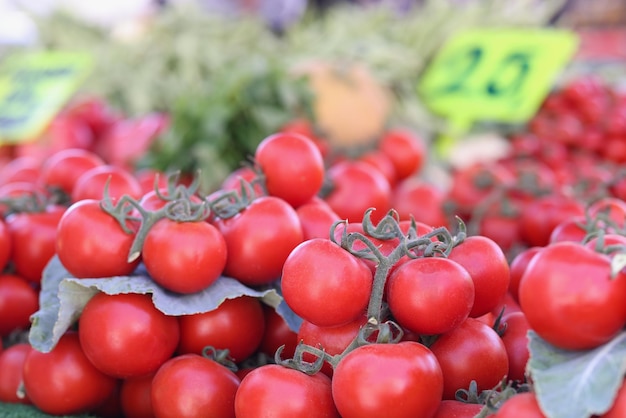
(576, 384)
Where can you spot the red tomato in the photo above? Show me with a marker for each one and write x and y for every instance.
(150, 179)
(618, 409)
(522, 405)
(515, 339)
(539, 217)
(554, 294)
(487, 265)
(246, 174)
(125, 335)
(450, 408)
(320, 273)
(277, 333)
(90, 243)
(237, 325)
(189, 386)
(610, 209)
(377, 380)
(471, 351)
(305, 127)
(135, 396)
(518, 267)
(355, 187)
(405, 149)
(19, 169)
(91, 184)
(63, 381)
(18, 301)
(12, 365)
(33, 238)
(333, 340)
(63, 168)
(422, 200)
(292, 165)
(381, 162)
(6, 245)
(430, 295)
(184, 257)
(316, 218)
(570, 229)
(281, 392)
(259, 239)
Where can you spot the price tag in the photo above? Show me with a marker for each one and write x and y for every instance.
(496, 74)
(34, 86)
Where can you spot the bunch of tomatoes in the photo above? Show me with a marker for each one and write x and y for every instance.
(410, 300)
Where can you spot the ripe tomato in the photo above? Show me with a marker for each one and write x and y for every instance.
(63, 381)
(422, 200)
(63, 168)
(135, 396)
(18, 301)
(6, 245)
(522, 405)
(430, 295)
(184, 257)
(33, 238)
(292, 165)
(90, 243)
(405, 149)
(125, 335)
(190, 386)
(610, 208)
(356, 187)
(20, 169)
(277, 333)
(399, 380)
(319, 273)
(91, 184)
(554, 294)
(471, 351)
(518, 267)
(12, 365)
(259, 239)
(515, 339)
(450, 408)
(618, 409)
(487, 265)
(281, 392)
(316, 218)
(570, 229)
(381, 162)
(539, 217)
(236, 324)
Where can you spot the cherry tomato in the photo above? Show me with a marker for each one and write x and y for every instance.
(487, 265)
(292, 165)
(554, 295)
(90, 243)
(281, 392)
(236, 324)
(399, 380)
(125, 335)
(570, 229)
(522, 405)
(450, 408)
(471, 351)
(18, 301)
(63, 381)
(618, 409)
(26, 169)
(430, 295)
(184, 257)
(515, 339)
(12, 364)
(277, 333)
(189, 386)
(539, 217)
(518, 267)
(319, 273)
(91, 184)
(316, 218)
(135, 396)
(405, 149)
(6, 245)
(381, 162)
(63, 168)
(259, 240)
(424, 201)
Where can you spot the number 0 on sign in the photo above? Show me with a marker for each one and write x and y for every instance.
(496, 74)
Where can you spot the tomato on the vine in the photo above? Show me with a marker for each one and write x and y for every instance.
(64, 167)
(451, 408)
(18, 301)
(91, 184)
(405, 149)
(135, 396)
(12, 365)
(521, 405)
(277, 333)
(515, 339)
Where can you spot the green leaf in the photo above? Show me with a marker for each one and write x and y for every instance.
(576, 384)
(63, 298)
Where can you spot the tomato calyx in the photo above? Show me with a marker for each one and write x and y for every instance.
(227, 204)
(31, 202)
(220, 356)
(297, 362)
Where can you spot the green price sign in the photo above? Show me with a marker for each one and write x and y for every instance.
(496, 74)
(34, 86)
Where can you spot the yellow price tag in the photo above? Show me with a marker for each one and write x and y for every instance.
(496, 74)
(34, 86)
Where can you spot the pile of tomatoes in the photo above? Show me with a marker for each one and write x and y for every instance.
(397, 297)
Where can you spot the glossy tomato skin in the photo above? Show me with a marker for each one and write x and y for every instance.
(356, 187)
(487, 265)
(259, 240)
(281, 392)
(91, 184)
(316, 218)
(236, 324)
(90, 243)
(18, 301)
(189, 385)
(12, 365)
(135, 396)
(63, 381)
(293, 167)
(376, 380)
(570, 229)
(405, 149)
(515, 339)
(125, 335)
(471, 351)
(184, 257)
(450, 408)
(319, 273)
(64, 167)
(554, 294)
(522, 405)
(33, 237)
(430, 295)
(517, 268)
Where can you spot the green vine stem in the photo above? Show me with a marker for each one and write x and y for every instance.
(220, 356)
